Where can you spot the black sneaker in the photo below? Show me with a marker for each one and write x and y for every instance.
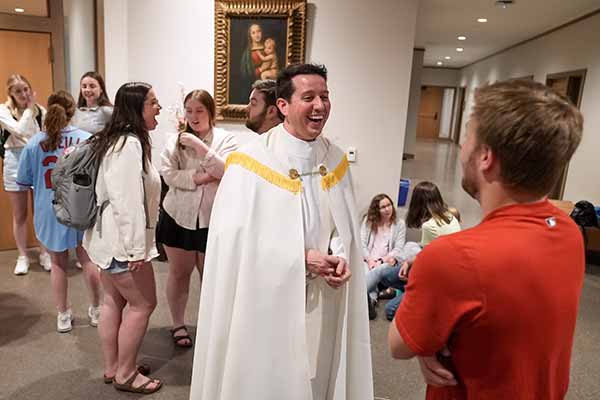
(372, 310)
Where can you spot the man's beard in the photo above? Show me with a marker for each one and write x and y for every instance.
(257, 122)
(468, 181)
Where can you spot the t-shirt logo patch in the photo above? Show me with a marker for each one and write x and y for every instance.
(551, 222)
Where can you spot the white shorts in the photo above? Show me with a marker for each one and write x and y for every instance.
(11, 165)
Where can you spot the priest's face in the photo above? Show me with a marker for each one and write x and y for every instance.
(308, 109)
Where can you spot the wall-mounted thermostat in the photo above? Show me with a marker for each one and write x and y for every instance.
(351, 154)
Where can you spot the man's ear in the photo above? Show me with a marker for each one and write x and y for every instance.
(282, 105)
(272, 112)
(487, 159)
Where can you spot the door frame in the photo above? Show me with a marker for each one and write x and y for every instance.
(580, 73)
(453, 112)
(53, 24)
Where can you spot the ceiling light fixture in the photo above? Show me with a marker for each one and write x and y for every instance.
(448, 58)
(19, 10)
(460, 49)
(440, 63)
(481, 19)
(462, 38)
(504, 3)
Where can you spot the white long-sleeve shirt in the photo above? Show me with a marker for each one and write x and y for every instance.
(21, 130)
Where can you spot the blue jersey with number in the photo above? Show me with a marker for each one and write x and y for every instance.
(35, 169)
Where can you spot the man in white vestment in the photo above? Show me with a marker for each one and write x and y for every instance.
(282, 309)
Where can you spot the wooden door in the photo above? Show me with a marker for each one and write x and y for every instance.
(430, 109)
(31, 59)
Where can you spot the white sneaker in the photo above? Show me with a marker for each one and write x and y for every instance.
(94, 314)
(22, 266)
(45, 261)
(64, 321)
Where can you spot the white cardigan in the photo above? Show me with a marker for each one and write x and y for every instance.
(128, 222)
(188, 204)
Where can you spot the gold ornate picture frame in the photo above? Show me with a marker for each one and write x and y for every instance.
(254, 39)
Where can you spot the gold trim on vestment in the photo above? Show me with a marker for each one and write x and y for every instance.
(268, 174)
(335, 176)
(293, 185)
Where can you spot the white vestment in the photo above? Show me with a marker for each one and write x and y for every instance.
(264, 330)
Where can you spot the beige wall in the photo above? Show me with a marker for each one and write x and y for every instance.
(571, 48)
(153, 41)
(414, 100)
(440, 77)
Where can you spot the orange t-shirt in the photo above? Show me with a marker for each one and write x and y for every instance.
(503, 296)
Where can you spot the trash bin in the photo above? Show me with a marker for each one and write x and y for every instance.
(403, 192)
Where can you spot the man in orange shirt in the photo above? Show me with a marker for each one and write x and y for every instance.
(490, 311)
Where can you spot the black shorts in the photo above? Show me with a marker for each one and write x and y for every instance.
(169, 233)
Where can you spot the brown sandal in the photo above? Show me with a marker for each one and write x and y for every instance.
(143, 389)
(143, 369)
(177, 339)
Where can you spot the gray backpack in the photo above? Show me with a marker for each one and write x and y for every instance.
(74, 185)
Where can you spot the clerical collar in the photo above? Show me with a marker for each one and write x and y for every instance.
(298, 147)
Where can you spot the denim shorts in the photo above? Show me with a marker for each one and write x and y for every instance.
(11, 165)
(117, 267)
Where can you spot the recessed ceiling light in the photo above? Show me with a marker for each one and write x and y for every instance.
(462, 38)
(481, 19)
(440, 63)
(448, 57)
(19, 10)
(459, 49)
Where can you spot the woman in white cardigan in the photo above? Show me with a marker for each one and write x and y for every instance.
(121, 242)
(383, 237)
(192, 166)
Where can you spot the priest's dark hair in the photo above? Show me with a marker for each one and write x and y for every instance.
(285, 86)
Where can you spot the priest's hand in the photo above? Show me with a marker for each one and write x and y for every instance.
(341, 276)
(320, 264)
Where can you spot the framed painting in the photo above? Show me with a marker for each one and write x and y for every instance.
(253, 40)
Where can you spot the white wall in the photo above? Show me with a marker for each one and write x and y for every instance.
(414, 100)
(115, 43)
(80, 42)
(440, 77)
(446, 113)
(571, 48)
(154, 41)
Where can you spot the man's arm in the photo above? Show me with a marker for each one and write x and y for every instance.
(398, 348)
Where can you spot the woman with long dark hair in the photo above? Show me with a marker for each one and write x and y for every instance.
(429, 212)
(121, 242)
(35, 167)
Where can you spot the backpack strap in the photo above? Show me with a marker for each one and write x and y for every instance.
(99, 216)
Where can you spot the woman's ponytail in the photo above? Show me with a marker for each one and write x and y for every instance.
(61, 107)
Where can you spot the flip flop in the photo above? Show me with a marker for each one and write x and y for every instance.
(177, 339)
(143, 369)
(143, 389)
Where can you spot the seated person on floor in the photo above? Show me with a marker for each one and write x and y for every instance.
(428, 211)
